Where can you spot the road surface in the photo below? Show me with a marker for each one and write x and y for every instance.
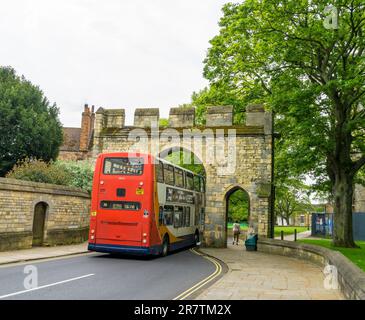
(101, 276)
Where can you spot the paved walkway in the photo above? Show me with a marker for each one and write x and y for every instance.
(256, 275)
(41, 253)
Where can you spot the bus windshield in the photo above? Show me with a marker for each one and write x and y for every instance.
(123, 166)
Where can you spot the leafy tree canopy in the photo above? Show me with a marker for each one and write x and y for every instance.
(29, 125)
(294, 57)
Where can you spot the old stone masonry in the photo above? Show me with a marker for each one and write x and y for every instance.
(247, 163)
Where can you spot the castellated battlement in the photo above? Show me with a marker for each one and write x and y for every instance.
(182, 117)
(219, 116)
(145, 117)
(216, 116)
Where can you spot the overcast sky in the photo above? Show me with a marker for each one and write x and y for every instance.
(113, 53)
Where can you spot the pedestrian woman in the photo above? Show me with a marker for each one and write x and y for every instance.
(236, 232)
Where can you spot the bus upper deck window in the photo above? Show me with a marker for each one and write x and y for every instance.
(179, 178)
(123, 166)
(169, 174)
(197, 183)
(189, 181)
(159, 172)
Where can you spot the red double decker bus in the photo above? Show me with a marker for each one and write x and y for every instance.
(144, 205)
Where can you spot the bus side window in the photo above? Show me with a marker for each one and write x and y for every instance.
(202, 185)
(159, 173)
(178, 213)
(197, 183)
(187, 217)
(161, 216)
(189, 181)
(179, 178)
(196, 217)
(168, 215)
(169, 174)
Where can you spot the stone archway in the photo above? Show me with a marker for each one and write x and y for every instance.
(245, 201)
(251, 152)
(39, 220)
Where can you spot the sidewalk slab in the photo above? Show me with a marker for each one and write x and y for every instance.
(37, 253)
(262, 276)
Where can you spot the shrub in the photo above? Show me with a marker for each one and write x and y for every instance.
(81, 173)
(40, 171)
(67, 173)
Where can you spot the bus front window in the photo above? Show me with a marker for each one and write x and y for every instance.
(123, 166)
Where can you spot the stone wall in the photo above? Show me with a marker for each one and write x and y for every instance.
(66, 217)
(73, 155)
(251, 150)
(351, 279)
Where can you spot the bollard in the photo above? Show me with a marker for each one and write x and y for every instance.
(295, 234)
(282, 235)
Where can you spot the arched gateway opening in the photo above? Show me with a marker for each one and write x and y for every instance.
(186, 210)
(237, 203)
(40, 211)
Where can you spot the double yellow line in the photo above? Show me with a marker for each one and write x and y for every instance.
(215, 274)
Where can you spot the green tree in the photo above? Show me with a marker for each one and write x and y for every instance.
(163, 123)
(291, 199)
(312, 76)
(29, 125)
(177, 158)
(238, 206)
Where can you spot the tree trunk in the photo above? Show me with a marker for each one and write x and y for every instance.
(343, 197)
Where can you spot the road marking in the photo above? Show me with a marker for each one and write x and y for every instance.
(46, 286)
(215, 274)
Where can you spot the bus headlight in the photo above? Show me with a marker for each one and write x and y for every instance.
(144, 241)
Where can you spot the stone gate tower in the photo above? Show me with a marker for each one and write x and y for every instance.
(249, 146)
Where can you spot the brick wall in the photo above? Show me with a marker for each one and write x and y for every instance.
(66, 216)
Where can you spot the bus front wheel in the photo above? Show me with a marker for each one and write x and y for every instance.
(165, 246)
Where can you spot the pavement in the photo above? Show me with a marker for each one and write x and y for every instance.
(261, 276)
(37, 253)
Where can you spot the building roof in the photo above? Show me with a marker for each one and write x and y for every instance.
(71, 139)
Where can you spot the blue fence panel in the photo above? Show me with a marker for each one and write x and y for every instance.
(358, 220)
(322, 225)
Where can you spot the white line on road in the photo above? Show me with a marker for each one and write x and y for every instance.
(45, 286)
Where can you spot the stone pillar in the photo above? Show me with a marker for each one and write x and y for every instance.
(144, 117)
(182, 117)
(219, 116)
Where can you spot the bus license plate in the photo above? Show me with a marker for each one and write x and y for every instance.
(140, 191)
